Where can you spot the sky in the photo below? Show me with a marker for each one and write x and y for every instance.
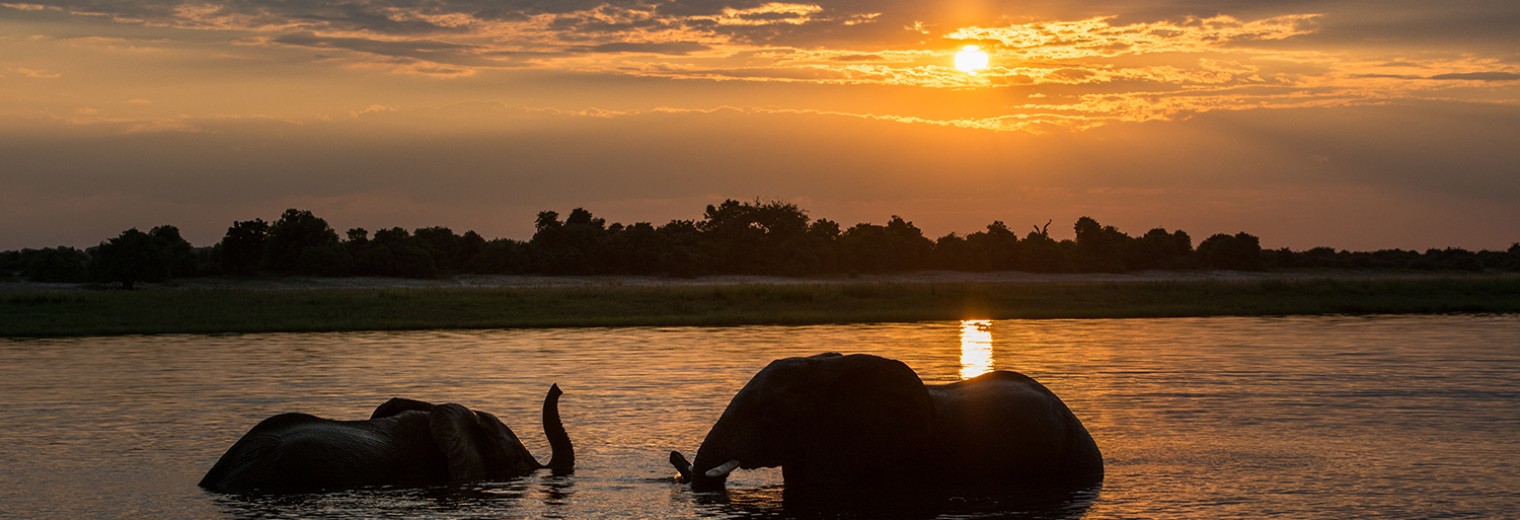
(1350, 124)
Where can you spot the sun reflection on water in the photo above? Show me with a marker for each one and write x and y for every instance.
(976, 348)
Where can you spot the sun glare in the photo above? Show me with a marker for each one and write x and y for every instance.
(971, 59)
(976, 348)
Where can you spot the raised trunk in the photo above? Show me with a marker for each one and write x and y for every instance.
(562, 454)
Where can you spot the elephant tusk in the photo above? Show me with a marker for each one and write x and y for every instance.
(723, 470)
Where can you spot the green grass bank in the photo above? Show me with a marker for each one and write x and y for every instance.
(42, 313)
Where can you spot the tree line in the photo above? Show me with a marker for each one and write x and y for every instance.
(733, 237)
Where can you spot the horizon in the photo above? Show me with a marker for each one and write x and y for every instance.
(1394, 126)
(1058, 236)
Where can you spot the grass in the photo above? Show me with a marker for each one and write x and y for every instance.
(231, 310)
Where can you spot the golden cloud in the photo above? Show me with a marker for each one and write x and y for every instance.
(1083, 73)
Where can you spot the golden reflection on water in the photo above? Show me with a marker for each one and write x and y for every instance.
(1198, 417)
(976, 348)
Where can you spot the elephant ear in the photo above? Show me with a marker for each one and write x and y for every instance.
(880, 414)
(477, 445)
(397, 405)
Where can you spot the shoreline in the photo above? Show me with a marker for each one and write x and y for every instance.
(218, 306)
(593, 281)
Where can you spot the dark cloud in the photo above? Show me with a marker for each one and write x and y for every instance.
(685, 8)
(574, 19)
(675, 48)
(1454, 76)
(1478, 76)
(1392, 21)
(434, 51)
(856, 58)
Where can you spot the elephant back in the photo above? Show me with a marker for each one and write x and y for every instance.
(1004, 427)
(297, 452)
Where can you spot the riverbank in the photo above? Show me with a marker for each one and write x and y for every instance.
(314, 305)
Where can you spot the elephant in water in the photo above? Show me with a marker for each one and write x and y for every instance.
(404, 442)
(861, 423)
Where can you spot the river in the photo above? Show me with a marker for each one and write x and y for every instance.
(1291, 417)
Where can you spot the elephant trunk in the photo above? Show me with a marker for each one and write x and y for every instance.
(562, 457)
(716, 458)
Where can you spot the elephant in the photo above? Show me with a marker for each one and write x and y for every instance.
(404, 443)
(839, 424)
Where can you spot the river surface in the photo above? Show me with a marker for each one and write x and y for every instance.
(1289, 417)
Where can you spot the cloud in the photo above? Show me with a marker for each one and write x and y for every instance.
(1478, 76)
(37, 73)
(1099, 38)
(1164, 61)
(671, 48)
(424, 50)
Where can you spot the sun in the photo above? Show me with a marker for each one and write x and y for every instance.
(971, 59)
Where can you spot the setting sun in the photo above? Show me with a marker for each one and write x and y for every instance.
(971, 59)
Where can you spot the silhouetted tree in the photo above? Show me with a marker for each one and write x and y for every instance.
(127, 259)
(302, 243)
(1159, 249)
(732, 237)
(1241, 251)
(1451, 258)
(575, 246)
(950, 252)
(1100, 248)
(1042, 254)
(242, 249)
(636, 249)
(683, 256)
(500, 256)
(11, 262)
(446, 248)
(177, 255)
(55, 264)
(897, 246)
(823, 240)
(991, 249)
(471, 245)
(758, 237)
(392, 252)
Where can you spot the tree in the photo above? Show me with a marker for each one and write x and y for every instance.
(1241, 251)
(758, 237)
(1042, 254)
(575, 246)
(393, 252)
(129, 258)
(56, 264)
(446, 248)
(636, 249)
(991, 249)
(682, 256)
(1160, 249)
(177, 255)
(302, 243)
(242, 249)
(1100, 248)
(897, 246)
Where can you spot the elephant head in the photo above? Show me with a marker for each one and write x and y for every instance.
(477, 445)
(827, 420)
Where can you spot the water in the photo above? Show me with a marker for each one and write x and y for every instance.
(1299, 417)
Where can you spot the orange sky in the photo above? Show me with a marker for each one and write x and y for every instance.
(1351, 124)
